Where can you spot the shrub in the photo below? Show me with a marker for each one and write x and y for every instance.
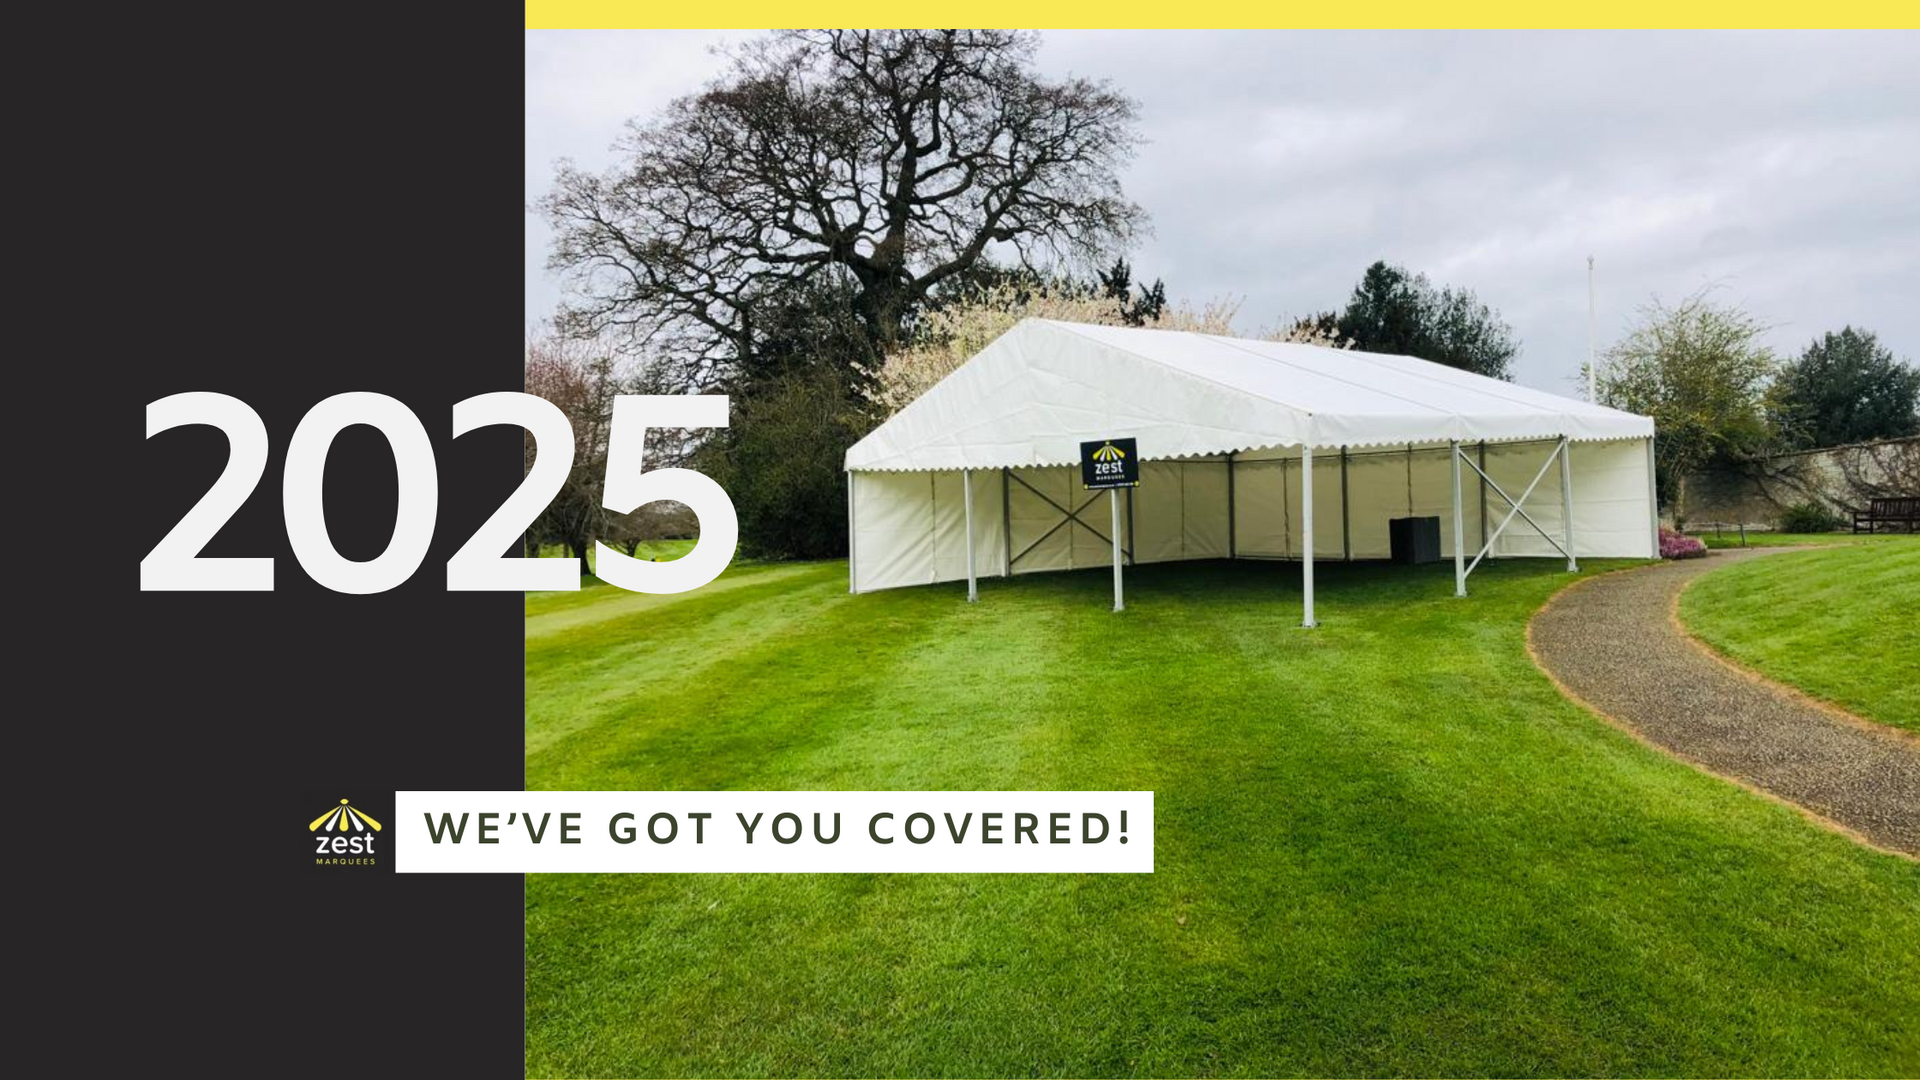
(1810, 517)
(1675, 545)
(780, 462)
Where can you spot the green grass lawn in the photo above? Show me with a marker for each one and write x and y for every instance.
(1387, 846)
(1838, 623)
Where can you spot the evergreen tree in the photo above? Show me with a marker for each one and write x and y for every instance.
(1393, 310)
(1137, 309)
(1845, 388)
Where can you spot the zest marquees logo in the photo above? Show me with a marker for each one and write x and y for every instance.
(1109, 463)
(344, 836)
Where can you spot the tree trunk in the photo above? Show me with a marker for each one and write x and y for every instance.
(577, 547)
(882, 306)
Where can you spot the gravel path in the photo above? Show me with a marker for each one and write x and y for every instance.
(1614, 643)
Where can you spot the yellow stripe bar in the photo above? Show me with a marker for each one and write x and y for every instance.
(613, 14)
(321, 820)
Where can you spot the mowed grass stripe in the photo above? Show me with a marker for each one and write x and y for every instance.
(608, 675)
(1388, 846)
(554, 612)
(672, 698)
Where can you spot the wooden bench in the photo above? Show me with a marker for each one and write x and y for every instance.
(1903, 510)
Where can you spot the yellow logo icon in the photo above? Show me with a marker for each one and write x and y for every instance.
(1109, 452)
(343, 818)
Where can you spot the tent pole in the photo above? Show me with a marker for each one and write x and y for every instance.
(1481, 485)
(966, 499)
(1133, 556)
(1459, 528)
(1306, 532)
(852, 586)
(1566, 499)
(1006, 524)
(1119, 603)
(1346, 522)
(1286, 511)
(1232, 550)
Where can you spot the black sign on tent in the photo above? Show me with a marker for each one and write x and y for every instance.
(1109, 463)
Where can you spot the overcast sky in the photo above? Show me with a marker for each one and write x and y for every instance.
(1785, 168)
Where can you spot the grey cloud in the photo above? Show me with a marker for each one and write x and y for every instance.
(1781, 166)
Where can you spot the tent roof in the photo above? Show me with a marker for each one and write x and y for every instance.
(1039, 390)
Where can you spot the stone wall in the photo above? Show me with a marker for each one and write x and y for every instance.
(1843, 478)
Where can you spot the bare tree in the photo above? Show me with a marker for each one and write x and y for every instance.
(891, 160)
(582, 378)
(1700, 370)
(582, 381)
(654, 521)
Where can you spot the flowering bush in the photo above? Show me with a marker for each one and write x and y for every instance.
(948, 336)
(1675, 545)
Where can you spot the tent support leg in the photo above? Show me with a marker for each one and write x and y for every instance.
(1459, 528)
(1132, 559)
(852, 579)
(1119, 601)
(966, 499)
(1232, 546)
(1006, 525)
(1483, 493)
(1346, 520)
(1306, 534)
(1566, 500)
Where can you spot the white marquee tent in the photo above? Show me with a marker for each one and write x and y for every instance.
(1248, 449)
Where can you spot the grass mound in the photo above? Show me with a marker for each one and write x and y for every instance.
(1841, 623)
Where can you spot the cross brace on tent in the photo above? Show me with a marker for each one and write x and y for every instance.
(1072, 516)
(1561, 452)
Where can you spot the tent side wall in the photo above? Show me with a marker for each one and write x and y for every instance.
(1387, 484)
(908, 528)
(1612, 508)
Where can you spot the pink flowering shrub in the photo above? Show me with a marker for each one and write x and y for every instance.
(1675, 545)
